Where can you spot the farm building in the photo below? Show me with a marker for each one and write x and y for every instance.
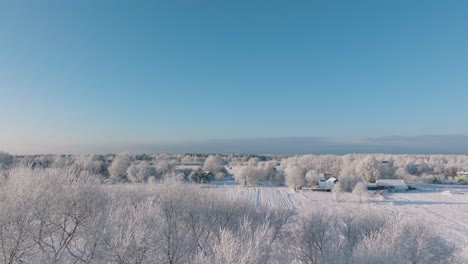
(462, 176)
(324, 183)
(398, 185)
(328, 184)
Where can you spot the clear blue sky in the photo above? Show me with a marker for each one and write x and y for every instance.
(87, 72)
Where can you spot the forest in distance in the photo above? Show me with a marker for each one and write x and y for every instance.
(253, 169)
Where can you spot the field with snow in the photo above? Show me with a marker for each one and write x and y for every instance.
(444, 206)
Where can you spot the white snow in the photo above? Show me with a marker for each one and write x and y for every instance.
(188, 167)
(445, 206)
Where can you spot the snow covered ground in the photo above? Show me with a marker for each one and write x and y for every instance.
(445, 206)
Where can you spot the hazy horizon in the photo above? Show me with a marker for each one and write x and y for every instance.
(427, 144)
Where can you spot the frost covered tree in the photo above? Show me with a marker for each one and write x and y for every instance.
(119, 166)
(294, 176)
(370, 169)
(312, 177)
(360, 192)
(164, 166)
(244, 246)
(401, 173)
(214, 165)
(248, 175)
(270, 172)
(44, 213)
(253, 162)
(337, 192)
(62, 161)
(348, 182)
(313, 237)
(89, 163)
(174, 176)
(141, 172)
(405, 241)
(130, 233)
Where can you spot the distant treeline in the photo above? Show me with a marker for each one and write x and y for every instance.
(252, 169)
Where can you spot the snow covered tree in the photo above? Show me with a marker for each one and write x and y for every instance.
(295, 176)
(89, 163)
(270, 172)
(214, 165)
(247, 175)
(360, 192)
(348, 182)
(253, 161)
(370, 169)
(119, 166)
(246, 245)
(139, 173)
(312, 177)
(337, 192)
(163, 166)
(405, 241)
(313, 237)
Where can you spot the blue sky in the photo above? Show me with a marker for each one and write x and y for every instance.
(144, 72)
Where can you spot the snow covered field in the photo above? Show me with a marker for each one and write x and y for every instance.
(445, 206)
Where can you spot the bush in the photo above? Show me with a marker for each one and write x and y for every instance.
(201, 176)
(6, 160)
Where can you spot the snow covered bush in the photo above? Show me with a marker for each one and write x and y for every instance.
(6, 160)
(200, 176)
(173, 175)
